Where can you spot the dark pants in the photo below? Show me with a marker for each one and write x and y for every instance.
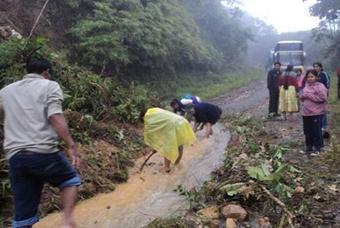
(312, 130)
(339, 89)
(28, 171)
(273, 100)
(324, 123)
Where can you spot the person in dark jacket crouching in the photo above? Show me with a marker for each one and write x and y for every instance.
(206, 115)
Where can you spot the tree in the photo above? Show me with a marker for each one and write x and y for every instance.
(329, 28)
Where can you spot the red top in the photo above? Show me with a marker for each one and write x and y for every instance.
(338, 71)
(288, 80)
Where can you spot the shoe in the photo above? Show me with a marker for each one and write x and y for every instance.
(326, 135)
(303, 152)
(315, 153)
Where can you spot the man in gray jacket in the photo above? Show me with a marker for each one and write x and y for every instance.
(33, 123)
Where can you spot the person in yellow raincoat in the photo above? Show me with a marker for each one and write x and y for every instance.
(167, 133)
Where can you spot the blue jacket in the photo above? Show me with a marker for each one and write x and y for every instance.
(324, 79)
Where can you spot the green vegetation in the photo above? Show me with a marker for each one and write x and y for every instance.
(127, 35)
(214, 86)
(84, 91)
(328, 30)
(143, 40)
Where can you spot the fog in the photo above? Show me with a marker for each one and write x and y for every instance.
(284, 15)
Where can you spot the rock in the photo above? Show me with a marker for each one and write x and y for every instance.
(7, 32)
(264, 223)
(230, 223)
(16, 34)
(299, 189)
(234, 211)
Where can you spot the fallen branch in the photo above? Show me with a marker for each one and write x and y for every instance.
(282, 221)
(37, 20)
(147, 159)
(280, 203)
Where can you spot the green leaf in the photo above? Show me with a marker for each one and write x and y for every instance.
(232, 189)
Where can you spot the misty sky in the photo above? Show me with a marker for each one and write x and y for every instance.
(284, 15)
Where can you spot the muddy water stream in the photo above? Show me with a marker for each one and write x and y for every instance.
(150, 194)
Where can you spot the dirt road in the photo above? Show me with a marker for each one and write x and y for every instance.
(252, 99)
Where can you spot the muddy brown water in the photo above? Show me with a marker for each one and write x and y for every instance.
(150, 194)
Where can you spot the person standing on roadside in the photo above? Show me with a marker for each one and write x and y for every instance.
(314, 99)
(273, 87)
(299, 81)
(324, 78)
(33, 120)
(288, 93)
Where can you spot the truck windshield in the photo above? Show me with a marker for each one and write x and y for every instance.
(289, 47)
(295, 60)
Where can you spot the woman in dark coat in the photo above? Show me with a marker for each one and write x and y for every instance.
(206, 115)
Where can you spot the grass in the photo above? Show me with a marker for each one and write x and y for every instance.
(333, 92)
(214, 87)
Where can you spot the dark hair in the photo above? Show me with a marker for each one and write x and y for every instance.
(142, 114)
(318, 64)
(277, 63)
(174, 102)
(289, 68)
(38, 66)
(313, 72)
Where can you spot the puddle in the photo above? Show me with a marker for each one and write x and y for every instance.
(150, 194)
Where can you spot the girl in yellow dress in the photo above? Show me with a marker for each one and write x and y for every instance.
(288, 102)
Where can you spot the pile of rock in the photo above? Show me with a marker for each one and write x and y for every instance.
(6, 32)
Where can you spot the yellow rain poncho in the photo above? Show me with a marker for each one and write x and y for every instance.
(165, 131)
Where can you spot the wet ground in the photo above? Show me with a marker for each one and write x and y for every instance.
(151, 194)
(252, 99)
